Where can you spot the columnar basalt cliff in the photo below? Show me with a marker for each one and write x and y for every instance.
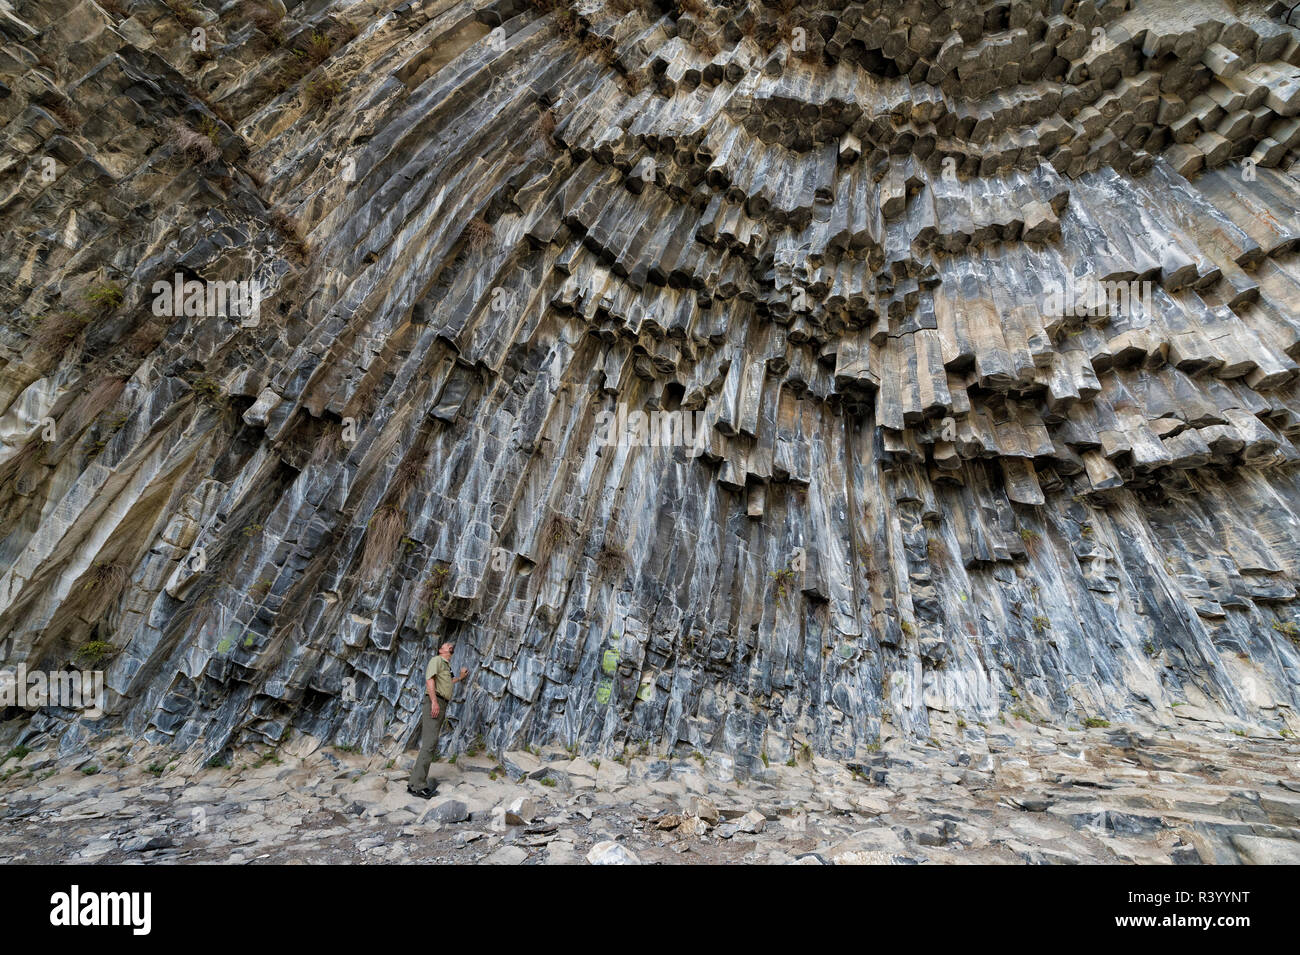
(988, 316)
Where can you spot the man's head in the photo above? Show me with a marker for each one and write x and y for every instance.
(446, 650)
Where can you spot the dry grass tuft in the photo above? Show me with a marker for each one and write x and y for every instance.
(598, 47)
(383, 534)
(560, 529)
(197, 146)
(436, 592)
(91, 404)
(66, 114)
(55, 332)
(344, 32)
(404, 480)
(260, 16)
(612, 558)
(567, 24)
(288, 227)
(326, 447)
(184, 12)
(144, 339)
(478, 233)
(99, 586)
(15, 474)
(544, 128)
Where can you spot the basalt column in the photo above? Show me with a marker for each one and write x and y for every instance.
(725, 375)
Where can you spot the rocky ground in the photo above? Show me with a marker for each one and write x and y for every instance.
(1000, 794)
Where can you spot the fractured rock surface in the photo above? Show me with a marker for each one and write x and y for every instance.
(1001, 794)
(843, 238)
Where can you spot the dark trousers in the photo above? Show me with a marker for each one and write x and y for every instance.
(430, 730)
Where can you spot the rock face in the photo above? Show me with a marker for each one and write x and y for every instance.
(972, 328)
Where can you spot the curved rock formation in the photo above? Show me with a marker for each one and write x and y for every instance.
(974, 325)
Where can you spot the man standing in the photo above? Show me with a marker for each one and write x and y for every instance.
(440, 684)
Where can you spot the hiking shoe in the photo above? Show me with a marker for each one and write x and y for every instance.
(425, 793)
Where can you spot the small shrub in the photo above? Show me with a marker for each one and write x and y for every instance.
(105, 297)
(207, 389)
(94, 652)
(18, 752)
(567, 25)
(1041, 623)
(1031, 538)
(319, 47)
(322, 91)
(1289, 630)
(784, 579)
(1093, 722)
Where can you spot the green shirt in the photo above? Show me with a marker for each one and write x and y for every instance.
(439, 671)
